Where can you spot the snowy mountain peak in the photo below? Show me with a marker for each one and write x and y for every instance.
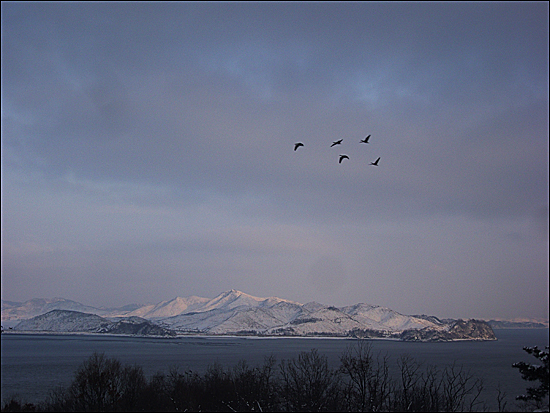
(231, 299)
(234, 298)
(176, 306)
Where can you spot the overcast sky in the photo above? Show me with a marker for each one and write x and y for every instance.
(148, 153)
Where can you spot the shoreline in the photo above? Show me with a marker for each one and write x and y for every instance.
(233, 336)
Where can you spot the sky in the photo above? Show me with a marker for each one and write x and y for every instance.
(148, 153)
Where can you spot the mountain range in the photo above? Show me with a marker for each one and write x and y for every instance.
(236, 313)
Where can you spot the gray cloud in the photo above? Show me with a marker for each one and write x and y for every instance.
(151, 142)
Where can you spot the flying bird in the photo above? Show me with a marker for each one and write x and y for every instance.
(336, 143)
(366, 140)
(297, 145)
(375, 163)
(342, 157)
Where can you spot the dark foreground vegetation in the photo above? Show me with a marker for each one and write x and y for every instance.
(362, 383)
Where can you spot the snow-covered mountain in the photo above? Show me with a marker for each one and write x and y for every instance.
(236, 313)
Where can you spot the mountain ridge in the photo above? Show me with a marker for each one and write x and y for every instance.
(234, 312)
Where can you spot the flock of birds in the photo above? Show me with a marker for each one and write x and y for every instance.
(339, 142)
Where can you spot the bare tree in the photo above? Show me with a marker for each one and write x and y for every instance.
(409, 376)
(253, 386)
(368, 379)
(460, 389)
(308, 384)
(97, 385)
(501, 396)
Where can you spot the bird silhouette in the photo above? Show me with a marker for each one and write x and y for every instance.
(375, 163)
(366, 140)
(336, 143)
(342, 157)
(297, 145)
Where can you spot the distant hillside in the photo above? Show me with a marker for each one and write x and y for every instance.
(516, 324)
(64, 321)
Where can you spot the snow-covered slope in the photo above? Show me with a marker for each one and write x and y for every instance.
(377, 318)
